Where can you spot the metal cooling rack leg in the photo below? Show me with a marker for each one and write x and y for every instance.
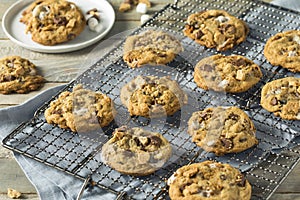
(87, 180)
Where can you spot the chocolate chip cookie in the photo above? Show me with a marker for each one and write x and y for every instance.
(282, 97)
(284, 49)
(52, 22)
(18, 75)
(150, 47)
(151, 96)
(216, 29)
(81, 110)
(231, 74)
(209, 180)
(135, 151)
(222, 130)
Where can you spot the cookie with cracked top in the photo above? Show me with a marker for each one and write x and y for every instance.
(222, 130)
(284, 49)
(152, 96)
(209, 180)
(231, 74)
(136, 151)
(216, 29)
(18, 75)
(81, 110)
(282, 97)
(150, 47)
(52, 22)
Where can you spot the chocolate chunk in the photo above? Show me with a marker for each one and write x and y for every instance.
(128, 153)
(227, 28)
(207, 68)
(233, 116)
(137, 141)
(223, 177)
(156, 141)
(61, 21)
(71, 36)
(241, 180)
(239, 62)
(274, 101)
(9, 78)
(227, 143)
(199, 34)
(59, 112)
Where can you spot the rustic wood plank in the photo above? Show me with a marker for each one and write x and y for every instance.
(12, 176)
(24, 196)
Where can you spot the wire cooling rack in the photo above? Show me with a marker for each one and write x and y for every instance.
(265, 165)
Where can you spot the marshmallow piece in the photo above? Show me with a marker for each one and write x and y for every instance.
(141, 8)
(92, 23)
(36, 11)
(296, 39)
(144, 18)
(98, 28)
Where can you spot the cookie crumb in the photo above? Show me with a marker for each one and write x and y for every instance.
(13, 194)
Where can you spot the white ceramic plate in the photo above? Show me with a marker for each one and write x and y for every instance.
(15, 30)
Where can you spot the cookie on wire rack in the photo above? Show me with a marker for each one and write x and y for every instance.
(209, 180)
(81, 110)
(216, 29)
(150, 47)
(282, 97)
(284, 49)
(222, 130)
(222, 73)
(152, 96)
(136, 151)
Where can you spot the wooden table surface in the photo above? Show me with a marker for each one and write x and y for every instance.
(62, 68)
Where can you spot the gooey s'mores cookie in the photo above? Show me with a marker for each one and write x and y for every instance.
(135, 151)
(222, 130)
(209, 180)
(216, 29)
(52, 22)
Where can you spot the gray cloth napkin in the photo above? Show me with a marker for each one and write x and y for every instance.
(291, 4)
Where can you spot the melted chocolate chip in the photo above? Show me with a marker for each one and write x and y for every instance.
(239, 62)
(233, 116)
(223, 177)
(241, 180)
(9, 78)
(128, 153)
(61, 21)
(274, 101)
(207, 68)
(199, 34)
(137, 141)
(227, 28)
(59, 112)
(227, 143)
(156, 141)
(71, 36)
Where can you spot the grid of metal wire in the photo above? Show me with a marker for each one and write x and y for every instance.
(265, 165)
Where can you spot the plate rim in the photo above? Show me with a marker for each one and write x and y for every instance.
(54, 48)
